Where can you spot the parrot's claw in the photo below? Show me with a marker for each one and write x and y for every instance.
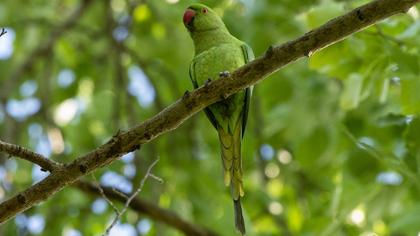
(186, 94)
(117, 134)
(224, 74)
(207, 82)
(270, 51)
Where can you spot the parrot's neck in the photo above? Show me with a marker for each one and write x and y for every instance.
(204, 40)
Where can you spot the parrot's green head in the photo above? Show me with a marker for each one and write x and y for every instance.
(199, 17)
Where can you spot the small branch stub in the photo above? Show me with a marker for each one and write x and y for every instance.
(3, 32)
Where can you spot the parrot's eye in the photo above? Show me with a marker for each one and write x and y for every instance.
(204, 10)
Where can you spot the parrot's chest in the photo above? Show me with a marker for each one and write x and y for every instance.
(226, 57)
(208, 65)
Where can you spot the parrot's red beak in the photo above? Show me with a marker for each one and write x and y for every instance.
(188, 16)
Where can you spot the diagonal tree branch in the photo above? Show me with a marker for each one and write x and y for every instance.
(147, 208)
(191, 103)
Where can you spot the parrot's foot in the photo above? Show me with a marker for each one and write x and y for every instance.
(186, 94)
(207, 82)
(224, 74)
(270, 51)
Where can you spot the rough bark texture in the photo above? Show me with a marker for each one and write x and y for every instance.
(26, 154)
(174, 115)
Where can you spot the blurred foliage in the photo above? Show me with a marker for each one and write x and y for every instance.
(332, 146)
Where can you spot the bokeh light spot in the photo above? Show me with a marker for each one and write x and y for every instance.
(284, 156)
(272, 170)
(65, 78)
(275, 208)
(6, 44)
(99, 206)
(267, 152)
(140, 86)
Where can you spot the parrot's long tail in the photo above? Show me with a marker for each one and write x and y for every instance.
(232, 164)
(239, 219)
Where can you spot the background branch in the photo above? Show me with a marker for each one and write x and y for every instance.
(147, 208)
(191, 103)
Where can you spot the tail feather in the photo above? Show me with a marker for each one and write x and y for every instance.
(232, 161)
(239, 219)
(232, 164)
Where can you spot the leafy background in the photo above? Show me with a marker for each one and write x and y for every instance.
(333, 141)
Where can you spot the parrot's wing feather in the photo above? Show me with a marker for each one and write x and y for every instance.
(248, 56)
(209, 114)
(248, 53)
(192, 74)
(246, 109)
(211, 117)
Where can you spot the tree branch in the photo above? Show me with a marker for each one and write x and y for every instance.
(147, 208)
(45, 163)
(191, 103)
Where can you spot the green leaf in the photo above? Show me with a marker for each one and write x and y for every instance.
(410, 95)
(350, 98)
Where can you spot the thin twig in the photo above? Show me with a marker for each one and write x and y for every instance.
(3, 32)
(157, 178)
(45, 163)
(385, 158)
(101, 191)
(127, 203)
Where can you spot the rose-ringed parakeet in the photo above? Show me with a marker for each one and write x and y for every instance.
(216, 53)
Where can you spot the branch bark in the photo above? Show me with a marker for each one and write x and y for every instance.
(191, 103)
(26, 154)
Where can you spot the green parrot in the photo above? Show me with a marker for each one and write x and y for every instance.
(217, 53)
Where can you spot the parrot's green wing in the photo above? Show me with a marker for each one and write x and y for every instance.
(209, 115)
(248, 56)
